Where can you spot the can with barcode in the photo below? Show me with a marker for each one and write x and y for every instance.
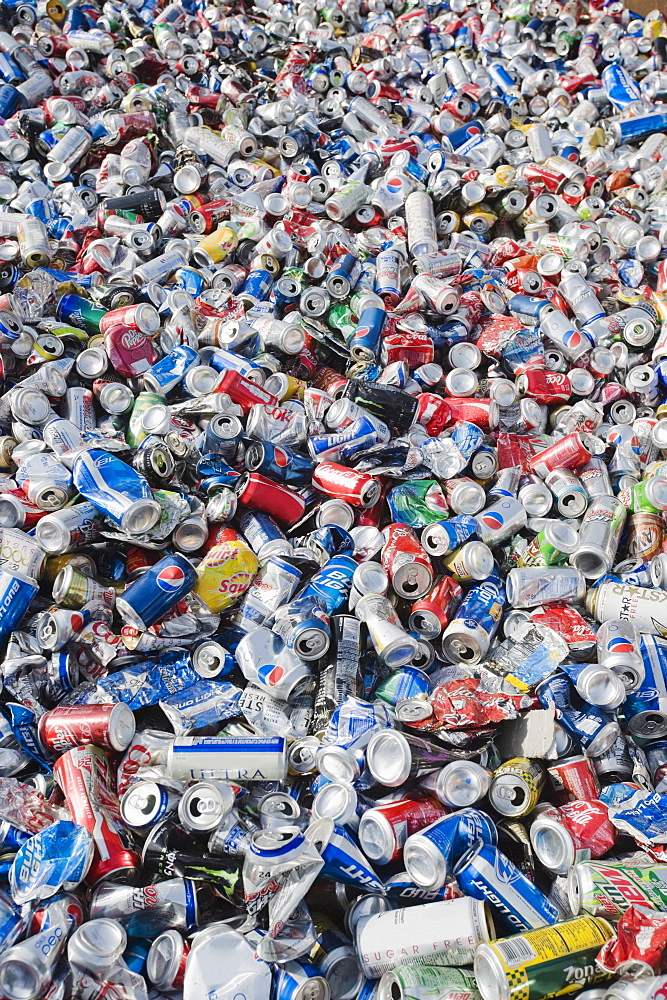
(548, 962)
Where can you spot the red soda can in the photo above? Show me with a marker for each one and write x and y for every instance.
(570, 625)
(574, 779)
(552, 180)
(405, 562)
(414, 348)
(260, 493)
(371, 515)
(568, 453)
(358, 488)
(433, 413)
(483, 412)
(209, 215)
(109, 726)
(86, 780)
(661, 285)
(139, 316)
(433, 613)
(384, 829)
(573, 832)
(544, 386)
(244, 392)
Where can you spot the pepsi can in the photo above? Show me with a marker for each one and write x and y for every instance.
(157, 591)
(646, 709)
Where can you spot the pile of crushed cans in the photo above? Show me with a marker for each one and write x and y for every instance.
(333, 500)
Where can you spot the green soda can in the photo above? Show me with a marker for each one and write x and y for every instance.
(609, 888)
(549, 962)
(340, 318)
(427, 982)
(650, 495)
(551, 546)
(82, 312)
(135, 432)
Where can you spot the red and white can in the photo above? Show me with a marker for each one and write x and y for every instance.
(483, 412)
(544, 386)
(141, 316)
(87, 782)
(244, 392)
(574, 779)
(111, 727)
(358, 488)
(405, 562)
(384, 829)
(568, 453)
(259, 493)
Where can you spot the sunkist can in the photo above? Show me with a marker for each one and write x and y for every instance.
(225, 572)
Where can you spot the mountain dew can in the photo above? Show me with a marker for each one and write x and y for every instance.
(608, 888)
(547, 962)
(424, 982)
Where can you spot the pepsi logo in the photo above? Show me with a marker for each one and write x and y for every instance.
(362, 331)
(170, 579)
(572, 339)
(620, 645)
(394, 185)
(280, 457)
(492, 519)
(270, 674)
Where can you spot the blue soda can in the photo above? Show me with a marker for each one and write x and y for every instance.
(646, 709)
(528, 308)
(256, 287)
(117, 490)
(344, 862)
(11, 838)
(263, 534)
(639, 127)
(170, 370)
(501, 78)
(223, 360)
(343, 276)
(461, 135)
(332, 583)
(298, 981)
(406, 682)
(157, 591)
(467, 437)
(190, 280)
(10, 100)
(594, 731)
(16, 593)
(401, 888)
(430, 855)
(526, 345)
(136, 954)
(485, 873)
(359, 436)
(365, 342)
(303, 626)
(278, 463)
(619, 86)
(468, 636)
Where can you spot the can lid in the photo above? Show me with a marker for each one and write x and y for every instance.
(376, 837)
(388, 758)
(164, 959)
(202, 806)
(424, 862)
(412, 580)
(122, 726)
(97, 944)
(337, 764)
(140, 517)
(141, 804)
(336, 801)
(552, 844)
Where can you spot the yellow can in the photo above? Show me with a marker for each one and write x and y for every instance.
(225, 572)
(215, 247)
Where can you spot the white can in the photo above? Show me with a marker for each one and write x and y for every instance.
(442, 933)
